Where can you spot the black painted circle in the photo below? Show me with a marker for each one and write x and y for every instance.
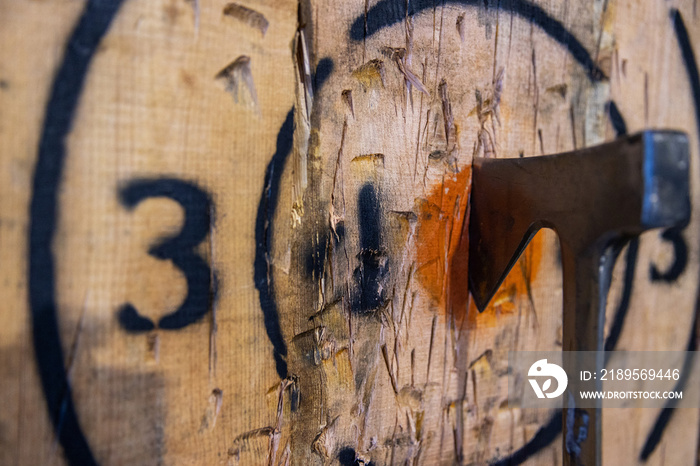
(64, 97)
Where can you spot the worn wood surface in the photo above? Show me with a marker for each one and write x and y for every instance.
(312, 162)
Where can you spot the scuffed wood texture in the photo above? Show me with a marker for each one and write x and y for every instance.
(334, 140)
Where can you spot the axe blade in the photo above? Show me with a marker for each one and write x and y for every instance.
(590, 197)
(595, 199)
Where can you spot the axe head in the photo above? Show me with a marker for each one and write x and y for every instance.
(592, 198)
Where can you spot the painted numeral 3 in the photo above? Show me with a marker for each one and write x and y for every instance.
(179, 249)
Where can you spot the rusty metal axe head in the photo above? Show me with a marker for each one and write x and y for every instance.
(590, 197)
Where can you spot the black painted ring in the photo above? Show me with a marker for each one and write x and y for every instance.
(43, 213)
(63, 101)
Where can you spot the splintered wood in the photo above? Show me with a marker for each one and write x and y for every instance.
(231, 232)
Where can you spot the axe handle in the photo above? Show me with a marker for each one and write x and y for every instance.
(586, 280)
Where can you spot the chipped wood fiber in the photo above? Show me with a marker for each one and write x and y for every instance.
(395, 382)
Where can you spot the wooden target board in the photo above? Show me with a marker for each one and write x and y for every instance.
(231, 232)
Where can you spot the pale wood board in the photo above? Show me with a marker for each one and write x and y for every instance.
(385, 361)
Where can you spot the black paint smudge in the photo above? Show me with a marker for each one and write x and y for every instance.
(179, 249)
(372, 271)
(369, 218)
(267, 206)
(316, 257)
(348, 457)
(43, 214)
(388, 12)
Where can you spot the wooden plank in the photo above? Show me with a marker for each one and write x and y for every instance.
(312, 161)
(152, 107)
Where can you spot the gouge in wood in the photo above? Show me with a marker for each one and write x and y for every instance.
(595, 199)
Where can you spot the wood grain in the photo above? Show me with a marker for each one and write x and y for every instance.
(332, 142)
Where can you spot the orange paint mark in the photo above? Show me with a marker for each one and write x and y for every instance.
(442, 256)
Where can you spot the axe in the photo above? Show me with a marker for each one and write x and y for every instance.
(595, 199)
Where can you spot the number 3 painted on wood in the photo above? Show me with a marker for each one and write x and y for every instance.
(179, 249)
